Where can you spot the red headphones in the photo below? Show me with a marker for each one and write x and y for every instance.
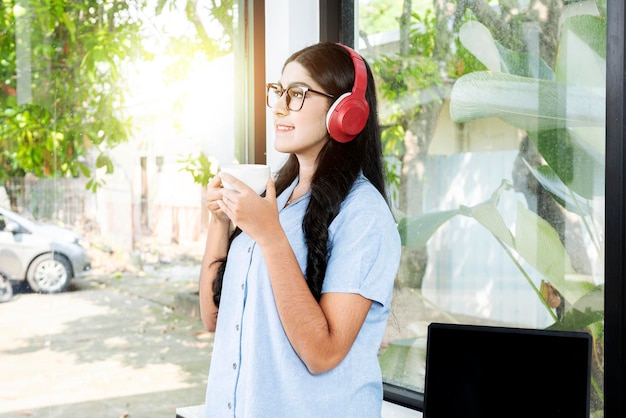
(347, 117)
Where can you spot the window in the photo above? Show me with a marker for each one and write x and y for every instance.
(502, 217)
(113, 113)
(494, 134)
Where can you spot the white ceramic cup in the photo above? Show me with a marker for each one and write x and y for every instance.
(253, 175)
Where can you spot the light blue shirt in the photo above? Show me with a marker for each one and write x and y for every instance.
(254, 370)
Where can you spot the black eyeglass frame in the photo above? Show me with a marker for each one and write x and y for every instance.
(279, 88)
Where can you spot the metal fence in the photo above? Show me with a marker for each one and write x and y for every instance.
(60, 200)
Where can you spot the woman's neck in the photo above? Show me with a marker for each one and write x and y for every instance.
(305, 175)
(306, 172)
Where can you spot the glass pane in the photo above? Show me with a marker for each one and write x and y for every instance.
(494, 134)
(113, 114)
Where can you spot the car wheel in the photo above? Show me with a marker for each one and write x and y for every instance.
(49, 273)
(6, 289)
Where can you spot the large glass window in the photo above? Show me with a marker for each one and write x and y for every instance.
(113, 114)
(494, 117)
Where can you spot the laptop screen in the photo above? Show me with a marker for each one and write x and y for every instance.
(484, 372)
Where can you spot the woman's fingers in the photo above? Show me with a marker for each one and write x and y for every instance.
(214, 198)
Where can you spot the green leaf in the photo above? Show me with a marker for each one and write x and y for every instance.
(488, 216)
(581, 58)
(69, 25)
(201, 168)
(415, 232)
(539, 244)
(530, 104)
(477, 39)
(104, 161)
(524, 65)
(84, 169)
(393, 140)
(602, 7)
(587, 310)
(559, 191)
(577, 165)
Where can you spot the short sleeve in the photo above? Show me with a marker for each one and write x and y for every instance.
(364, 247)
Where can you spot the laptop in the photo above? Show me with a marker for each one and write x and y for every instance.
(484, 372)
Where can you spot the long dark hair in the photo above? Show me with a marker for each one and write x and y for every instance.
(338, 164)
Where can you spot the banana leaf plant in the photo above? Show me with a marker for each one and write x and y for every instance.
(562, 111)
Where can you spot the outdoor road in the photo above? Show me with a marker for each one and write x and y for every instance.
(109, 347)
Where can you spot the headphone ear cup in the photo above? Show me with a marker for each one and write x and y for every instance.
(347, 117)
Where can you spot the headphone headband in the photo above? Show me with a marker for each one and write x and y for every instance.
(360, 72)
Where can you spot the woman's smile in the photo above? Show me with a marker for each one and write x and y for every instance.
(281, 127)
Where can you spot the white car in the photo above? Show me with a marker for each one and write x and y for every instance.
(45, 255)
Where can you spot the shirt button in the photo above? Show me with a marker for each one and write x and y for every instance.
(234, 366)
(230, 406)
(242, 286)
(237, 327)
(249, 249)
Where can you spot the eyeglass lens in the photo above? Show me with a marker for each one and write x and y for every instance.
(294, 96)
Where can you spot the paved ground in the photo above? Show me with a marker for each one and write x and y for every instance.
(113, 346)
(123, 342)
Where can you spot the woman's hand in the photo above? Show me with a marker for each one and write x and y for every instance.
(213, 196)
(257, 216)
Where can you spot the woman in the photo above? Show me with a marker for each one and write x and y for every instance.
(304, 283)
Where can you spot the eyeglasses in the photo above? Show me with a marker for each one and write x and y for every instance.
(295, 95)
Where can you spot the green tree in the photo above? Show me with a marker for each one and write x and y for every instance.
(62, 92)
(413, 84)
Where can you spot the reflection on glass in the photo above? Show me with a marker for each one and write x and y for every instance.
(494, 140)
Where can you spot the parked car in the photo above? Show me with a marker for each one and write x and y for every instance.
(45, 255)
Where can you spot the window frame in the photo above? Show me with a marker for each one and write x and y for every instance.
(250, 114)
